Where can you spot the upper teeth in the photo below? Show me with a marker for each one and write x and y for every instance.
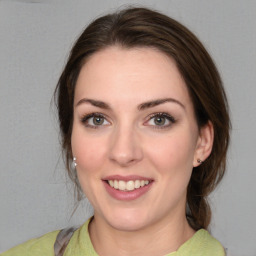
(127, 185)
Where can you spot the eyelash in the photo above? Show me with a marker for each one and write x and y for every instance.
(85, 119)
(170, 118)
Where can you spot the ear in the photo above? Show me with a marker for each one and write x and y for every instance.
(204, 144)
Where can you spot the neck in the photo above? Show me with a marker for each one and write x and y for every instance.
(159, 239)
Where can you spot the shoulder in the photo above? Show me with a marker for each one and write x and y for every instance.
(210, 245)
(80, 244)
(35, 247)
(202, 244)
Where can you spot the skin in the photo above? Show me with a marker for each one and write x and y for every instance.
(130, 142)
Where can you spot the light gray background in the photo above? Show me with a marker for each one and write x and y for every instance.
(35, 37)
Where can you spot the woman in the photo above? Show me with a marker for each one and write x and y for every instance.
(145, 130)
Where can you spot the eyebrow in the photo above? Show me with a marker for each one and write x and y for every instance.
(153, 103)
(142, 106)
(96, 103)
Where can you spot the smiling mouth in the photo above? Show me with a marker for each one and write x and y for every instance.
(127, 185)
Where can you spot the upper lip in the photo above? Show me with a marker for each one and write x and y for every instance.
(126, 178)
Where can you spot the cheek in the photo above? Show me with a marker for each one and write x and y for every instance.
(90, 154)
(88, 150)
(173, 153)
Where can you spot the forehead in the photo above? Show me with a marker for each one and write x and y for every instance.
(139, 74)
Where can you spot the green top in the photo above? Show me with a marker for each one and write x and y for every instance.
(201, 244)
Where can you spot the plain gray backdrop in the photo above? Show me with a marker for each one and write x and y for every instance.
(35, 37)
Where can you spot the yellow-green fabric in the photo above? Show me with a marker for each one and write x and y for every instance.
(201, 244)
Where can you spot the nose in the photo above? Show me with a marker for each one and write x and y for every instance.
(125, 147)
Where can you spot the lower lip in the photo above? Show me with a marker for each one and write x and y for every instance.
(127, 195)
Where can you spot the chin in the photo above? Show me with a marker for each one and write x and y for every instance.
(127, 226)
(125, 221)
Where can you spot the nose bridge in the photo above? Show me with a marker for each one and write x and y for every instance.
(125, 146)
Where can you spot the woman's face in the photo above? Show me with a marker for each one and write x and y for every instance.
(135, 137)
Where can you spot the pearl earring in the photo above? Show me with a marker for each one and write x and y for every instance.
(74, 164)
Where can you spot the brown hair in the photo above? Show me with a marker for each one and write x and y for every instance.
(140, 27)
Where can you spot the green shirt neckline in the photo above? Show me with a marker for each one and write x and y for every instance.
(201, 243)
